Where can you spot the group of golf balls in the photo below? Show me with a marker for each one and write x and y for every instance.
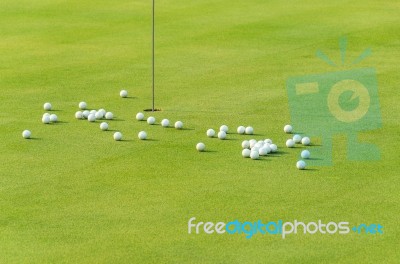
(254, 149)
(297, 139)
(250, 148)
(222, 134)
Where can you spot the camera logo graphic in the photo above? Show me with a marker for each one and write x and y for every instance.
(341, 102)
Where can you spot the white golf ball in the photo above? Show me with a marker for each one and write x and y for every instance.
(210, 133)
(26, 134)
(252, 142)
(254, 155)
(99, 115)
(103, 111)
(91, 118)
(221, 135)
(85, 114)
(109, 115)
(269, 141)
(117, 136)
(104, 126)
(305, 141)
(245, 144)
(259, 144)
(165, 123)
(53, 118)
(46, 119)
(249, 130)
(288, 129)
(255, 148)
(290, 143)
(273, 147)
(246, 153)
(93, 112)
(139, 116)
(123, 93)
(224, 128)
(151, 120)
(178, 125)
(263, 151)
(297, 138)
(82, 105)
(200, 146)
(46, 114)
(142, 135)
(241, 130)
(78, 115)
(305, 154)
(47, 106)
(301, 165)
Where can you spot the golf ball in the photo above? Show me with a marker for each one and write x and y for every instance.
(165, 123)
(151, 120)
(263, 151)
(85, 113)
(103, 111)
(245, 144)
(241, 130)
(269, 141)
(305, 154)
(288, 129)
(305, 141)
(254, 155)
(78, 115)
(252, 142)
(274, 148)
(210, 133)
(26, 134)
(249, 130)
(117, 136)
(109, 115)
(104, 126)
(93, 112)
(91, 118)
(290, 143)
(297, 138)
(246, 153)
(142, 135)
(46, 119)
(221, 135)
(301, 165)
(47, 106)
(82, 105)
(53, 118)
(178, 125)
(99, 115)
(200, 146)
(123, 93)
(224, 128)
(255, 148)
(139, 116)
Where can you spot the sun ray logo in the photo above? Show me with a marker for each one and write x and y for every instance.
(322, 105)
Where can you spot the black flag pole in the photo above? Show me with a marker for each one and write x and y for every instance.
(153, 73)
(153, 55)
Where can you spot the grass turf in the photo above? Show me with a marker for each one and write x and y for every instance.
(72, 194)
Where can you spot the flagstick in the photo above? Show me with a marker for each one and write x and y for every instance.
(153, 57)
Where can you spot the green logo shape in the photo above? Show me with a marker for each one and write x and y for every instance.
(322, 105)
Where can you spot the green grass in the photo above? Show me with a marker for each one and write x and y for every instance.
(73, 195)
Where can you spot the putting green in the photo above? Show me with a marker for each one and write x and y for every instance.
(72, 194)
